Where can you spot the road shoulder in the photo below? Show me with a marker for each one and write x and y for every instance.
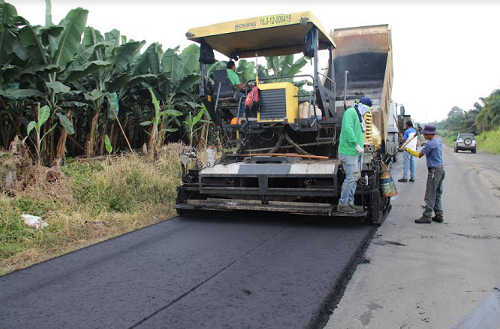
(431, 275)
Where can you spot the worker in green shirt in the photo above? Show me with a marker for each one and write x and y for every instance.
(235, 80)
(351, 148)
(233, 77)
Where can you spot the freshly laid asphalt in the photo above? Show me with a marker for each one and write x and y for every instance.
(205, 271)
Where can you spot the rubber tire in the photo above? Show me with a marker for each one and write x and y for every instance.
(455, 149)
(473, 151)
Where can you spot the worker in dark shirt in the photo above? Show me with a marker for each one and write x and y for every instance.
(433, 150)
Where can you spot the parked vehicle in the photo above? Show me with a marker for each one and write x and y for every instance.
(465, 142)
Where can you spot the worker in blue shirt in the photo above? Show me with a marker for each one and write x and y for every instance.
(409, 160)
(433, 150)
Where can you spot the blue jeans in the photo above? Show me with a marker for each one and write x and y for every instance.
(408, 165)
(242, 103)
(352, 167)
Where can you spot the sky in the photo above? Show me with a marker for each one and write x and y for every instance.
(446, 53)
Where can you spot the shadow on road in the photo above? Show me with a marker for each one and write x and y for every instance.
(272, 219)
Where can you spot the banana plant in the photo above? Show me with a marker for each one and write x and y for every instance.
(281, 66)
(43, 115)
(178, 81)
(51, 50)
(192, 122)
(156, 120)
(109, 61)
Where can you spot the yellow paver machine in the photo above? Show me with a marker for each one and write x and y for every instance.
(282, 154)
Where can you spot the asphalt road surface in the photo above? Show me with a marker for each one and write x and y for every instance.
(217, 271)
(201, 272)
(431, 276)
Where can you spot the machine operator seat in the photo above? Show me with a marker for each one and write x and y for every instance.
(227, 95)
(227, 90)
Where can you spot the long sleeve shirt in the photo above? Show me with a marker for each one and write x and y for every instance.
(351, 133)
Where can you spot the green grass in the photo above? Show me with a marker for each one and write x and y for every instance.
(93, 201)
(489, 141)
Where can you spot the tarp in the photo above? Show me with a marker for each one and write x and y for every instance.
(273, 35)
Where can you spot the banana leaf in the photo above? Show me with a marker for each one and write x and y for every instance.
(30, 39)
(68, 42)
(17, 94)
(189, 61)
(170, 64)
(58, 87)
(89, 68)
(149, 61)
(125, 55)
(117, 83)
(66, 123)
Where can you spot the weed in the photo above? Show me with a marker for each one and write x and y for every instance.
(91, 201)
(488, 141)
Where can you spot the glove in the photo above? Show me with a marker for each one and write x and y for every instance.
(412, 152)
(360, 150)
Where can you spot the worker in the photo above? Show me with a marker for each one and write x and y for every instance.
(351, 149)
(409, 160)
(434, 190)
(235, 80)
(233, 77)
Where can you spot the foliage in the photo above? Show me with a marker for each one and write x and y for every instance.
(109, 147)
(92, 201)
(282, 66)
(192, 122)
(157, 119)
(488, 141)
(489, 117)
(483, 119)
(43, 116)
(74, 69)
(461, 121)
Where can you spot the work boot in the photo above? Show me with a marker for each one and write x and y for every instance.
(438, 218)
(345, 209)
(423, 220)
(357, 208)
(412, 180)
(402, 180)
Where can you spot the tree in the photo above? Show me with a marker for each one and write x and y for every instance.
(489, 116)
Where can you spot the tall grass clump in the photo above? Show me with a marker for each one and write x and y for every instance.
(489, 141)
(91, 201)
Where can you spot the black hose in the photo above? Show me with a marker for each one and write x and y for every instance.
(278, 144)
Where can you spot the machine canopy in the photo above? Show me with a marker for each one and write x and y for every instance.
(274, 35)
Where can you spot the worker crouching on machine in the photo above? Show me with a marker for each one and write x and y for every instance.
(351, 149)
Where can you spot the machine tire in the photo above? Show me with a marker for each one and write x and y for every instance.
(468, 142)
(455, 149)
(473, 151)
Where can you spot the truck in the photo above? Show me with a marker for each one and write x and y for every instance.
(282, 155)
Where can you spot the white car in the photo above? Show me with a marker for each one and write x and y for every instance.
(465, 141)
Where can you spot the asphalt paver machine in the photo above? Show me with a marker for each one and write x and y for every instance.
(282, 156)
